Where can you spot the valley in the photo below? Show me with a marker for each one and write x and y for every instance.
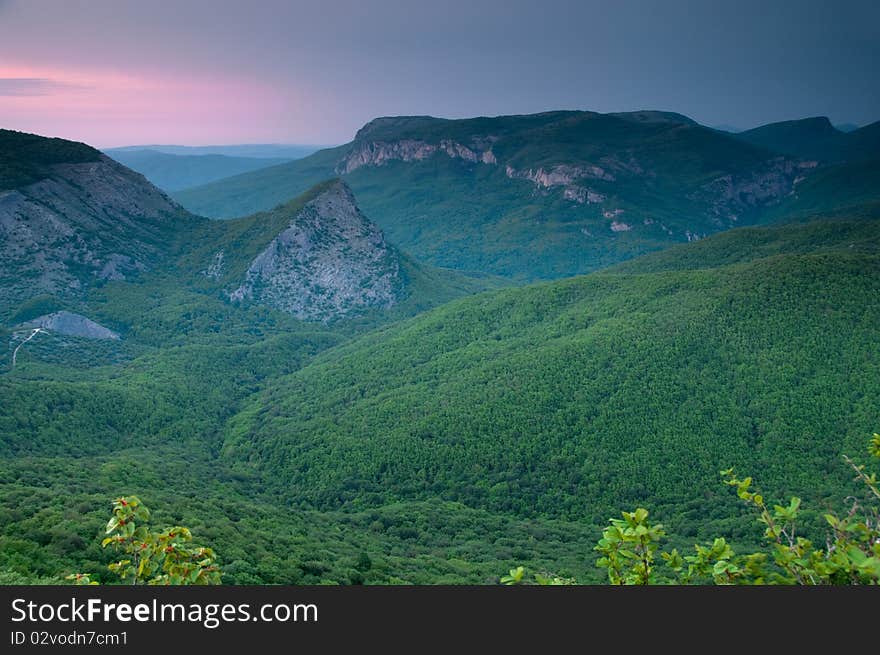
(444, 349)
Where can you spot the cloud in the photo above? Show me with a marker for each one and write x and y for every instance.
(31, 86)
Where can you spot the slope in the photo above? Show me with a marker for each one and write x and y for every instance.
(71, 218)
(578, 398)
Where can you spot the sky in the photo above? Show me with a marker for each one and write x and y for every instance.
(199, 72)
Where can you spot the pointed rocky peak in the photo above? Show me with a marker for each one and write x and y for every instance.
(330, 261)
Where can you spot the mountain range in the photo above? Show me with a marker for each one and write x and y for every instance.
(173, 168)
(555, 194)
(441, 350)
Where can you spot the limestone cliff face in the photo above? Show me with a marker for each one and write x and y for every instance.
(377, 153)
(633, 157)
(562, 175)
(568, 177)
(81, 223)
(729, 195)
(329, 262)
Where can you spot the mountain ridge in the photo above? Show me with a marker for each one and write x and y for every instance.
(583, 189)
(490, 431)
(817, 138)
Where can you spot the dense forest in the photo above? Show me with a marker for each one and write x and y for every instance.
(497, 430)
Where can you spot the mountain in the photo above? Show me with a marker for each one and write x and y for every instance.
(71, 217)
(810, 138)
(72, 220)
(349, 416)
(833, 187)
(174, 172)
(577, 398)
(538, 196)
(317, 258)
(816, 138)
(242, 150)
(130, 378)
(864, 143)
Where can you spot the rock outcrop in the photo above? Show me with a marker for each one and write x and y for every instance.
(377, 153)
(591, 177)
(71, 325)
(730, 195)
(81, 223)
(329, 262)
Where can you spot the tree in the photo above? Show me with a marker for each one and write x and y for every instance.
(629, 546)
(164, 557)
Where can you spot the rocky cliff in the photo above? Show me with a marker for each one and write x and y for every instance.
(766, 181)
(329, 261)
(377, 153)
(78, 223)
(729, 195)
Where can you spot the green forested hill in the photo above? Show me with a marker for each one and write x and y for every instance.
(851, 231)
(495, 430)
(575, 398)
(834, 188)
(83, 420)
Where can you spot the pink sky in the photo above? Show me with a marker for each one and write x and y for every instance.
(107, 109)
(199, 72)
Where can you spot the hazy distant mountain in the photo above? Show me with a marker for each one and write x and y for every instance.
(259, 150)
(536, 196)
(816, 138)
(846, 127)
(813, 138)
(174, 172)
